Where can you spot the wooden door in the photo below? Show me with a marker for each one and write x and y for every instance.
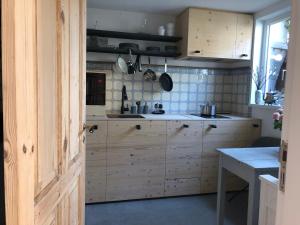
(44, 99)
(288, 201)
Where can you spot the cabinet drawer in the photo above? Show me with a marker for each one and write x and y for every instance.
(183, 161)
(190, 186)
(184, 132)
(131, 188)
(136, 133)
(136, 163)
(98, 137)
(230, 130)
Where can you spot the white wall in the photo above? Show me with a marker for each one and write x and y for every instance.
(125, 21)
(265, 113)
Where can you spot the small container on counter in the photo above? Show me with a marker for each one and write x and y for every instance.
(145, 109)
(133, 109)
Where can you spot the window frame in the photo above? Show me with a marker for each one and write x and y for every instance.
(261, 44)
(266, 39)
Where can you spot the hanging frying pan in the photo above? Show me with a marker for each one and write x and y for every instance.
(165, 80)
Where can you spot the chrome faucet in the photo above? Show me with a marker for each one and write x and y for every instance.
(124, 98)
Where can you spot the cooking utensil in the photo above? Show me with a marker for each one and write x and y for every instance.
(158, 109)
(149, 74)
(127, 46)
(165, 81)
(120, 65)
(130, 64)
(208, 110)
(138, 64)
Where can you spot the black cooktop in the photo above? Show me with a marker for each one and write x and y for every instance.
(211, 117)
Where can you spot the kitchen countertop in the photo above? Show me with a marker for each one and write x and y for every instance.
(168, 117)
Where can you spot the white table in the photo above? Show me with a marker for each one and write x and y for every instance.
(248, 164)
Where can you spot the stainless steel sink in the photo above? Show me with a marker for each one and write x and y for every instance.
(125, 116)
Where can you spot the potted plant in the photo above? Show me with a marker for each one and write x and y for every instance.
(260, 82)
(278, 118)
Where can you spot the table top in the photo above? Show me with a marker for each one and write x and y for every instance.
(256, 158)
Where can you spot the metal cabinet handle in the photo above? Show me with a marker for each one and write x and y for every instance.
(213, 126)
(138, 127)
(244, 55)
(91, 129)
(255, 125)
(185, 126)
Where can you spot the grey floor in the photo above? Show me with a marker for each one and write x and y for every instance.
(192, 210)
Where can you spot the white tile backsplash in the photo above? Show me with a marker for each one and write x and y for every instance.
(229, 89)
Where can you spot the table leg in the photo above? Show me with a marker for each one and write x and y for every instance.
(221, 193)
(253, 201)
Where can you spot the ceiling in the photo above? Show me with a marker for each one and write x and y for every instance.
(173, 7)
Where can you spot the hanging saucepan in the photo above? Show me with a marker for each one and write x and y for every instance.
(149, 74)
(130, 64)
(166, 82)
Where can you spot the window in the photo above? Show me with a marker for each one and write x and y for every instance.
(270, 55)
(276, 55)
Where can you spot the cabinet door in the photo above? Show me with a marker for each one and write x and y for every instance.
(224, 134)
(212, 34)
(183, 157)
(96, 162)
(136, 133)
(135, 172)
(244, 36)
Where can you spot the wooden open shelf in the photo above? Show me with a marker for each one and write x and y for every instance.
(134, 52)
(132, 36)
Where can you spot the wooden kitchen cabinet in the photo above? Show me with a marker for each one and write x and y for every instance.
(96, 160)
(244, 33)
(135, 159)
(183, 157)
(215, 34)
(138, 159)
(223, 134)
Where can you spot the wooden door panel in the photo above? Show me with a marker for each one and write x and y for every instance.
(53, 219)
(44, 69)
(75, 71)
(47, 161)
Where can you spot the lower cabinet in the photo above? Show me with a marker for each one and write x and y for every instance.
(96, 163)
(182, 186)
(224, 134)
(183, 157)
(128, 160)
(135, 173)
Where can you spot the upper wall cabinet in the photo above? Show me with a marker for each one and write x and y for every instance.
(215, 34)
